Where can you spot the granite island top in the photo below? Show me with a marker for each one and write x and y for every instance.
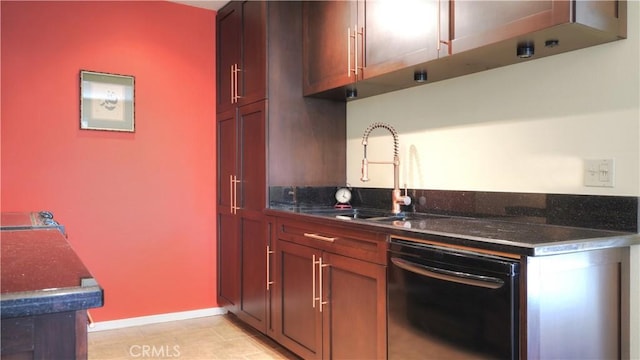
(42, 274)
(522, 238)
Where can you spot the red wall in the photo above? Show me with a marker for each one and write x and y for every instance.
(138, 207)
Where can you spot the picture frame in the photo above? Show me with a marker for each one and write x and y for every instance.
(107, 101)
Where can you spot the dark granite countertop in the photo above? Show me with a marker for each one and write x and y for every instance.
(42, 274)
(522, 238)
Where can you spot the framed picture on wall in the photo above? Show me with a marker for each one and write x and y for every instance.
(106, 101)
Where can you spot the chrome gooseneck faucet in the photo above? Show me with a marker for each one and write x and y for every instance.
(397, 198)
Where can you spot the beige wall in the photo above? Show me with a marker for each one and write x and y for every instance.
(521, 128)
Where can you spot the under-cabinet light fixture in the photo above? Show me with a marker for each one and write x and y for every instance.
(420, 76)
(525, 50)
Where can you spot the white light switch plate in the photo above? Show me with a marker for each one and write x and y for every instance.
(598, 172)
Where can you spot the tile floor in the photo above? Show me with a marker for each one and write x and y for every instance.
(213, 337)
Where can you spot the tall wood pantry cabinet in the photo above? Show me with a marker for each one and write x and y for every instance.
(268, 134)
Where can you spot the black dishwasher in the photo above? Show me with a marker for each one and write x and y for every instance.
(447, 303)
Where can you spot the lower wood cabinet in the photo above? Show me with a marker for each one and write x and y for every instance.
(328, 305)
(60, 335)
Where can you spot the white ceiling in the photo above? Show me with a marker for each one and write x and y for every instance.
(205, 4)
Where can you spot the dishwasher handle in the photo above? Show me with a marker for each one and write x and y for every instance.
(449, 275)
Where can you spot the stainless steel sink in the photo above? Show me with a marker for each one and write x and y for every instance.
(408, 217)
(373, 215)
(348, 214)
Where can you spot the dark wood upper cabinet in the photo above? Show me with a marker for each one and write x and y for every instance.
(241, 73)
(399, 35)
(332, 44)
(348, 41)
(480, 23)
(443, 38)
(229, 25)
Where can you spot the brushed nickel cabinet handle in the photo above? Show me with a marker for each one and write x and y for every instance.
(319, 237)
(361, 33)
(355, 50)
(313, 281)
(269, 282)
(231, 183)
(320, 267)
(348, 52)
(231, 73)
(438, 14)
(234, 193)
(234, 83)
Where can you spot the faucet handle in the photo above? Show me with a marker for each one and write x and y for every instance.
(406, 197)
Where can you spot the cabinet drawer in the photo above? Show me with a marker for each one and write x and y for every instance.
(360, 244)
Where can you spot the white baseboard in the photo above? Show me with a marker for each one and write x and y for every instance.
(154, 319)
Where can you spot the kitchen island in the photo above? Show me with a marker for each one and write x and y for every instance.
(45, 293)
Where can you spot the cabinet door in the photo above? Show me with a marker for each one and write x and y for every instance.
(241, 53)
(228, 261)
(226, 157)
(251, 200)
(252, 149)
(479, 23)
(404, 34)
(241, 199)
(253, 301)
(329, 44)
(354, 318)
(229, 25)
(252, 75)
(227, 236)
(298, 321)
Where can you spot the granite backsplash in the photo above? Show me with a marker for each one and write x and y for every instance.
(618, 213)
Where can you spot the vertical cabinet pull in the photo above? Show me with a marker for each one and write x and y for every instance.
(232, 74)
(234, 83)
(321, 266)
(355, 49)
(231, 192)
(269, 282)
(353, 35)
(438, 47)
(440, 40)
(349, 52)
(233, 182)
(313, 281)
